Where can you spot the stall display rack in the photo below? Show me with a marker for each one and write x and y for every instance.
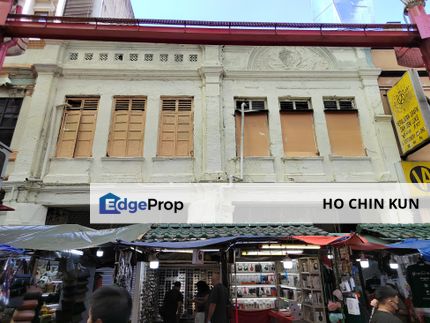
(254, 284)
(290, 286)
(258, 285)
(313, 304)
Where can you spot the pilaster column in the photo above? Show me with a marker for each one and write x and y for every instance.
(33, 127)
(213, 143)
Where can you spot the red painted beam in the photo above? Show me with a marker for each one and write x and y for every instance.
(221, 33)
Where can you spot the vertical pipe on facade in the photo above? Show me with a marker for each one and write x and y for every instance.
(242, 135)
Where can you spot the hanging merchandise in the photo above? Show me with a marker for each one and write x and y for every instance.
(353, 306)
(124, 270)
(418, 277)
(75, 288)
(14, 279)
(149, 297)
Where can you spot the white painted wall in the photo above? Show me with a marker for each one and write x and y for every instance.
(219, 74)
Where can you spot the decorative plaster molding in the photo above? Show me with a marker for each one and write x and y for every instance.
(130, 75)
(291, 58)
(292, 75)
(47, 69)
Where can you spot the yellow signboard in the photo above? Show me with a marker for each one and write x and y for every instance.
(407, 102)
(416, 172)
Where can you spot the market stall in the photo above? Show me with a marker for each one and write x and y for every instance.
(259, 284)
(53, 282)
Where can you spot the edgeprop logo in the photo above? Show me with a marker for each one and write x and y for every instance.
(113, 204)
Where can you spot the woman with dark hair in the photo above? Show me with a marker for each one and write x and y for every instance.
(201, 301)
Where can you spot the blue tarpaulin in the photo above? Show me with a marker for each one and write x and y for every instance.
(197, 244)
(8, 249)
(423, 246)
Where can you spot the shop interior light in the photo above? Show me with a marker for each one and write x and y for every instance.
(154, 263)
(295, 252)
(364, 262)
(74, 252)
(99, 253)
(287, 263)
(270, 252)
(176, 250)
(277, 246)
(330, 255)
(393, 264)
(263, 253)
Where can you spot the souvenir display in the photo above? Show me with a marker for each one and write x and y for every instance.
(277, 287)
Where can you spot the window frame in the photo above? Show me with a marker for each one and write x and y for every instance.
(15, 113)
(129, 110)
(81, 108)
(176, 111)
(298, 111)
(251, 111)
(340, 110)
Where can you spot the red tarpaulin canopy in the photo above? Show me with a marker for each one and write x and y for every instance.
(353, 240)
(357, 242)
(317, 240)
(6, 208)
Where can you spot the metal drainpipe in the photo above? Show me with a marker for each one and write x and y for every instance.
(242, 134)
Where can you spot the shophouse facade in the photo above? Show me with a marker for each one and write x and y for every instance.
(122, 112)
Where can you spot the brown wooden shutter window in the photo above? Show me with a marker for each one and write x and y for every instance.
(127, 127)
(176, 128)
(77, 128)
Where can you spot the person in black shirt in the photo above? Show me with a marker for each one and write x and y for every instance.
(172, 305)
(218, 301)
(388, 304)
(201, 301)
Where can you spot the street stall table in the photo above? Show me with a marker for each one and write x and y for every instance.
(280, 317)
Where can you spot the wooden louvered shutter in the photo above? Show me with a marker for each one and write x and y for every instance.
(184, 128)
(68, 133)
(176, 128)
(78, 127)
(127, 130)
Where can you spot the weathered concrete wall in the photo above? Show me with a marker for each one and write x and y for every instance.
(214, 76)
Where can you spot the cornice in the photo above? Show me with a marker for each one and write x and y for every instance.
(300, 75)
(47, 69)
(96, 45)
(132, 74)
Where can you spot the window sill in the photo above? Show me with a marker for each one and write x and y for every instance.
(335, 157)
(122, 158)
(286, 158)
(72, 158)
(159, 158)
(255, 158)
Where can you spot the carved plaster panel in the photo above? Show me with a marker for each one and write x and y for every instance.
(291, 59)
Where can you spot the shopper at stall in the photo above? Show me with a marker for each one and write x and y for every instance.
(388, 305)
(110, 304)
(218, 301)
(201, 300)
(172, 305)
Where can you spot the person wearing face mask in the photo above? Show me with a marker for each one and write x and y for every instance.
(388, 305)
